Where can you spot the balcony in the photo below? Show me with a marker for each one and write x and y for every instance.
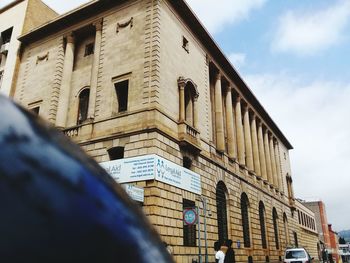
(189, 137)
(72, 132)
(4, 48)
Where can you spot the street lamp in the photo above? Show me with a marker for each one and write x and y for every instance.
(203, 200)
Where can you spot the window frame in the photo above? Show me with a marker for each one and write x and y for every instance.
(189, 231)
(115, 81)
(82, 91)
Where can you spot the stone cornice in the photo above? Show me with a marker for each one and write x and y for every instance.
(182, 9)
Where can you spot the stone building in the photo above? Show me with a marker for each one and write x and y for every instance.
(319, 209)
(17, 18)
(142, 87)
(333, 251)
(307, 236)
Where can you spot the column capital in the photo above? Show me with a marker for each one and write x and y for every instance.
(218, 75)
(229, 88)
(246, 108)
(98, 25)
(181, 82)
(253, 115)
(70, 38)
(238, 98)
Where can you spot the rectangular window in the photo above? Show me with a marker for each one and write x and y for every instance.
(89, 49)
(35, 110)
(122, 90)
(6, 36)
(189, 231)
(185, 44)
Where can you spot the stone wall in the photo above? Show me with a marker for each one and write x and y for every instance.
(146, 48)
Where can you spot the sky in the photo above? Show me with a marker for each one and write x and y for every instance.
(295, 57)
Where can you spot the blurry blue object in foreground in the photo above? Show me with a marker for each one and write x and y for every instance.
(58, 205)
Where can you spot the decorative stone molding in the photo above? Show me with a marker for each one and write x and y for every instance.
(125, 24)
(43, 57)
(182, 82)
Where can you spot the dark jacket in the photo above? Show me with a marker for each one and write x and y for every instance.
(230, 256)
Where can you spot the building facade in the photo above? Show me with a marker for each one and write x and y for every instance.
(17, 18)
(308, 234)
(143, 89)
(333, 251)
(319, 209)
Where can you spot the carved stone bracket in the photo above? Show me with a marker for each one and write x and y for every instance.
(127, 23)
(43, 57)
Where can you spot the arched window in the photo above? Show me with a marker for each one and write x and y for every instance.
(188, 97)
(275, 227)
(221, 211)
(262, 224)
(286, 228)
(245, 219)
(83, 105)
(189, 103)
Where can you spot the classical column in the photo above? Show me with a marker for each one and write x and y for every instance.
(220, 137)
(268, 157)
(273, 162)
(255, 146)
(195, 112)
(63, 101)
(240, 133)
(229, 124)
(278, 167)
(182, 101)
(248, 140)
(262, 156)
(94, 70)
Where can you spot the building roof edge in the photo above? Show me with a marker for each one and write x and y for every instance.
(185, 12)
(10, 5)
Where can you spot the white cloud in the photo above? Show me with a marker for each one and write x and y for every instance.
(314, 117)
(309, 33)
(237, 59)
(217, 14)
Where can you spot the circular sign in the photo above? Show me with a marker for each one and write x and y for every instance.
(190, 216)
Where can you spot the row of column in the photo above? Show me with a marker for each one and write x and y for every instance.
(65, 89)
(247, 140)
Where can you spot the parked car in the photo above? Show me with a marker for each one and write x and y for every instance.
(297, 255)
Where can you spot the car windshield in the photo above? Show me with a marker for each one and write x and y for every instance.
(295, 254)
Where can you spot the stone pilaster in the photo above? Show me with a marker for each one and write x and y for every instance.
(65, 89)
(239, 132)
(255, 146)
(248, 140)
(94, 70)
(229, 124)
(220, 136)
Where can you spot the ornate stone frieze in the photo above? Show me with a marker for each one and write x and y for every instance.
(125, 24)
(43, 57)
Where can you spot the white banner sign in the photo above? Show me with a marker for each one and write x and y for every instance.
(136, 193)
(153, 167)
